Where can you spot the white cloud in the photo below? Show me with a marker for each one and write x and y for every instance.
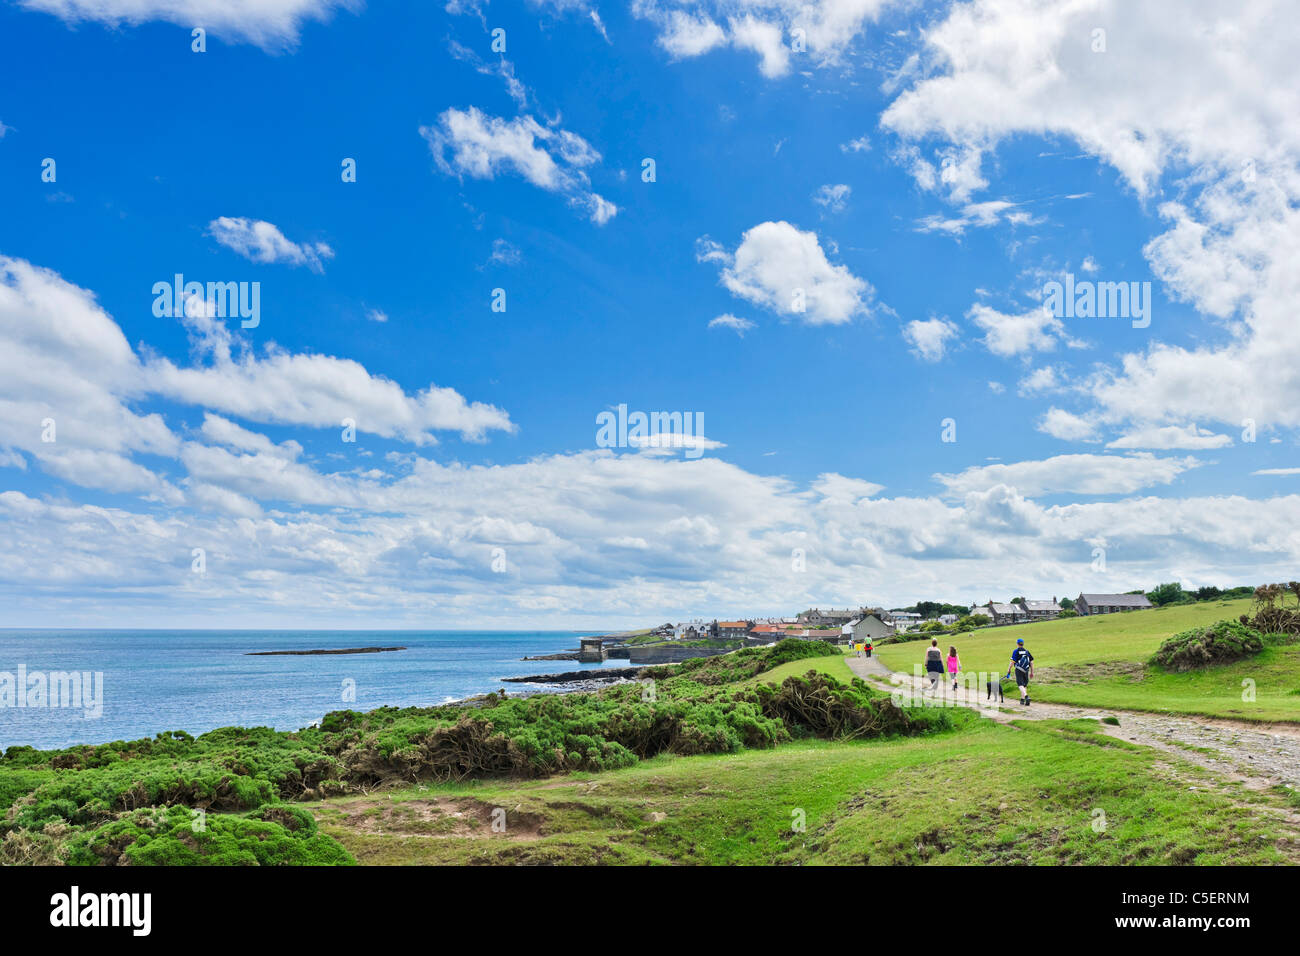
(663, 442)
(500, 67)
(980, 215)
(784, 269)
(1040, 380)
(1171, 436)
(377, 315)
(685, 35)
(470, 142)
(1006, 335)
(64, 361)
(1071, 474)
(728, 321)
(319, 391)
(271, 24)
(860, 145)
(929, 337)
(766, 39)
(263, 242)
(222, 431)
(829, 28)
(832, 198)
(1067, 426)
(504, 254)
(1004, 67)
(68, 374)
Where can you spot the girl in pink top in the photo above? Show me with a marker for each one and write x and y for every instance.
(954, 665)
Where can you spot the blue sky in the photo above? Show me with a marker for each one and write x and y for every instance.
(912, 168)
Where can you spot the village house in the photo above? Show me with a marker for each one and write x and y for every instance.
(1110, 603)
(902, 620)
(815, 617)
(1042, 610)
(1002, 614)
(769, 632)
(696, 630)
(733, 630)
(868, 629)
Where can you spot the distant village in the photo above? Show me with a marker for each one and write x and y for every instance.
(875, 624)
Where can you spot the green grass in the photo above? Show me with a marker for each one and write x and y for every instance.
(1212, 692)
(835, 667)
(1024, 794)
(1100, 662)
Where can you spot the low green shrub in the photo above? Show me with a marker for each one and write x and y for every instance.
(1219, 643)
(176, 837)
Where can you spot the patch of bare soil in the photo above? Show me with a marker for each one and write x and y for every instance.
(442, 817)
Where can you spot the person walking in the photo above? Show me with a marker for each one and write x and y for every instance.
(954, 665)
(1022, 662)
(934, 663)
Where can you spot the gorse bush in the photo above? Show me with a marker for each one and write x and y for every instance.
(1219, 643)
(134, 801)
(175, 837)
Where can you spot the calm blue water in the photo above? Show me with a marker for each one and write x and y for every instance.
(199, 680)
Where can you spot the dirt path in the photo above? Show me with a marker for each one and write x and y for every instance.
(1259, 756)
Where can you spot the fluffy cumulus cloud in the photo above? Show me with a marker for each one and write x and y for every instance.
(472, 143)
(271, 24)
(71, 386)
(929, 337)
(1067, 426)
(785, 269)
(1112, 78)
(1008, 334)
(67, 374)
(778, 32)
(260, 241)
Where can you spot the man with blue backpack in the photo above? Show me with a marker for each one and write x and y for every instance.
(1022, 662)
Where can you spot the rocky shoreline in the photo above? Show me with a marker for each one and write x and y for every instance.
(341, 650)
(598, 678)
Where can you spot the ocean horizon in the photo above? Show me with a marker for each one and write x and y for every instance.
(156, 680)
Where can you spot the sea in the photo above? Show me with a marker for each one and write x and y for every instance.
(196, 681)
